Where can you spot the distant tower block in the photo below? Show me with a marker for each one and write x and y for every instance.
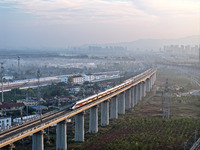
(18, 58)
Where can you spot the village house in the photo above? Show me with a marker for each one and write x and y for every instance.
(10, 106)
(28, 102)
(5, 122)
(78, 79)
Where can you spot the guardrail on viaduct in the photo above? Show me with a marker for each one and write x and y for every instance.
(120, 98)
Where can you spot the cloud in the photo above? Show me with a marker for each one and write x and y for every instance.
(110, 11)
(80, 10)
(83, 21)
(169, 7)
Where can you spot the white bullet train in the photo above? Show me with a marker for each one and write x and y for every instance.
(100, 95)
(109, 91)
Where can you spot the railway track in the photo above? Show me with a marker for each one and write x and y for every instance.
(29, 127)
(21, 127)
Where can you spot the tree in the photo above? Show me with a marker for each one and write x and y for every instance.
(16, 91)
(30, 92)
(86, 83)
(96, 86)
(61, 84)
(70, 80)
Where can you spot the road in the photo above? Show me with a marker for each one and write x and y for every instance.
(33, 83)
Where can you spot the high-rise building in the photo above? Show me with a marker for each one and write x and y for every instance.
(18, 58)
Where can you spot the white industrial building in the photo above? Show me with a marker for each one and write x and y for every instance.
(88, 77)
(5, 122)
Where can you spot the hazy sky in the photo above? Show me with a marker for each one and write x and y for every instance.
(63, 23)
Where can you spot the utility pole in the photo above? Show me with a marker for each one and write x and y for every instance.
(2, 74)
(21, 112)
(27, 100)
(26, 110)
(166, 102)
(58, 101)
(38, 77)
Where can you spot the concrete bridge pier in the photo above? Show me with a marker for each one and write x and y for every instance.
(79, 127)
(142, 85)
(151, 79)
(105, 113)
(38, 141)
(138, 92)
(135, 94)
(128, 99)
(145, 88)
(93, 122)
(121, 106)
(141, 90)
(154, 77)
(114, 108)
(148, 85)
(132, 97)
(61, 135)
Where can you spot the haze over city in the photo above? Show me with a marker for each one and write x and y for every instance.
(63, 23)
(100, 74)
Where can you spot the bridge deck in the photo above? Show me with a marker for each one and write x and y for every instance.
(32, 126)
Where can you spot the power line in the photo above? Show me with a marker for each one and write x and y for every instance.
(166, 102)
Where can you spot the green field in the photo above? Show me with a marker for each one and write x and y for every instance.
(152, 133)
(143, 128)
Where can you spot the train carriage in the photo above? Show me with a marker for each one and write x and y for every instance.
(109, 91)
(100, 95)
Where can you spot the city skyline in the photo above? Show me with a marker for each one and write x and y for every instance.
(63, 23)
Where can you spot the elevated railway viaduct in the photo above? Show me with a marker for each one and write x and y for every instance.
(120, 98)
